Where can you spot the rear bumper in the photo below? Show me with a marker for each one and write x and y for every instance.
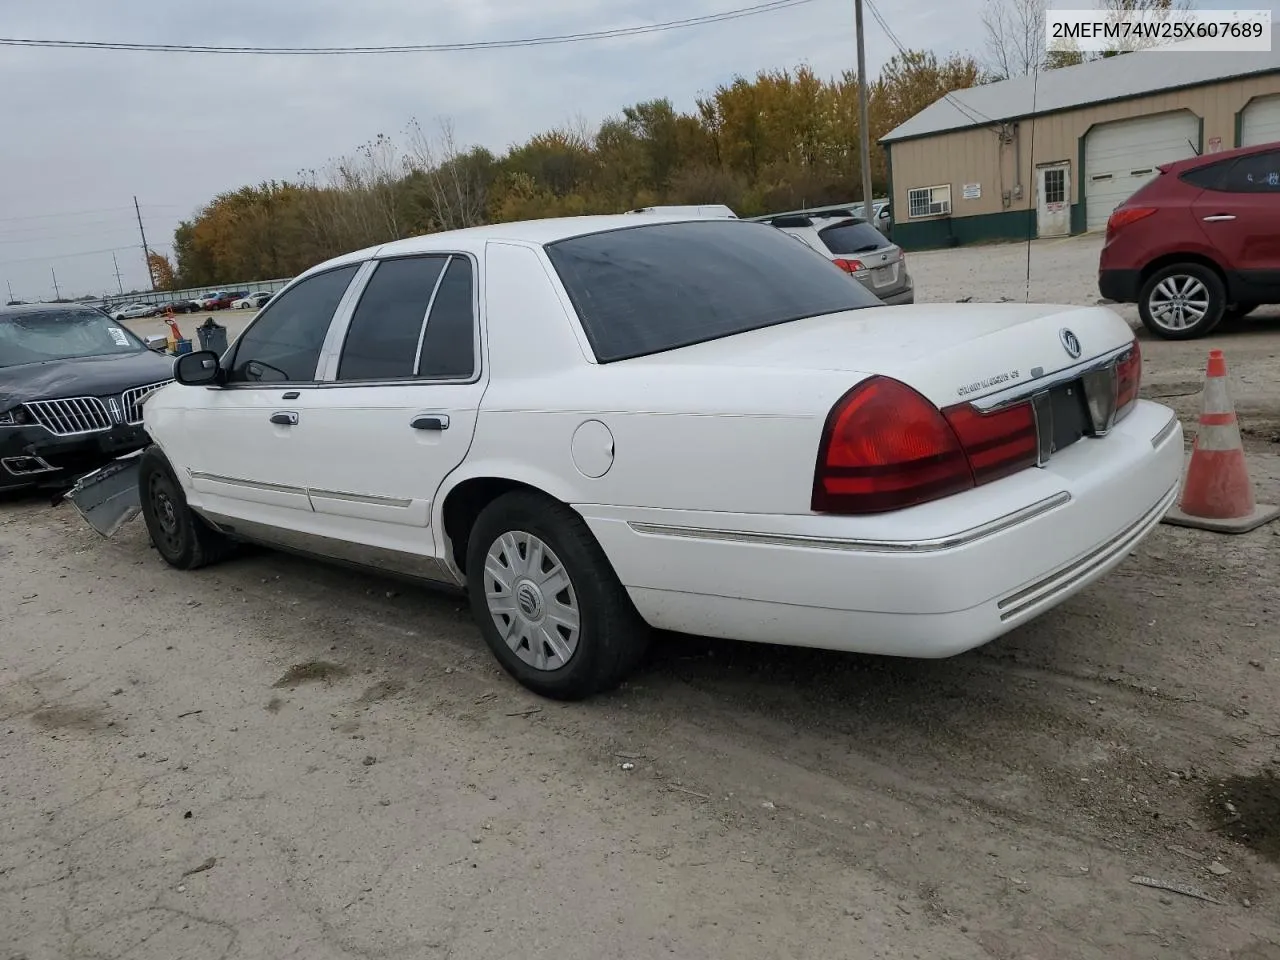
(1122, 286)
(900, 299)
(932, 581)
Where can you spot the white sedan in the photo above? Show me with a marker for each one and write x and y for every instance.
(602, 426)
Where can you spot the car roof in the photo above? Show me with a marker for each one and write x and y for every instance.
(36, 309)
(1191, 163)
(537, 232)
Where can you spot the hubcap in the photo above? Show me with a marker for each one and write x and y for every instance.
(1178, 302)
(532, 600)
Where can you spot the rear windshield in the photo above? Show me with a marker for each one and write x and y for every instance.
(852, 236)
(642, 290)
(56, 335)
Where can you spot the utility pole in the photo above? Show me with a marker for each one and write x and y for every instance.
(57, 294)
(147, 253)
(864, 131)
(9, 284)
(119, 282)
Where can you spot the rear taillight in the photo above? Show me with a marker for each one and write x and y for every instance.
(1128, 379)
(886, 447)
(1127, 215)
(849, 266)
(997, 442)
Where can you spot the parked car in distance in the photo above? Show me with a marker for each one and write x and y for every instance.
(72, 384)
(178, 306)
(1198, 244)
(649, 422)
(854, 246)
(222, 299)
(254, 301)
(134, 311)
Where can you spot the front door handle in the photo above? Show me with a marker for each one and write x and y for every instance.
(1218, 217)
(434, 421)
(285, 418)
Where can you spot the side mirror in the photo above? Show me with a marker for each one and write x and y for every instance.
(199, 369)
(157, 343)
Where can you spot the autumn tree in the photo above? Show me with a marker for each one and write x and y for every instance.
(162, 275)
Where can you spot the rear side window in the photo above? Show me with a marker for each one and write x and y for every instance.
(853, 236)
(642, 290)
(449, 347)
(1208, 177)
(1259, 173)
(382, 341)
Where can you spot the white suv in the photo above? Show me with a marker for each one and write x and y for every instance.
(853, 245)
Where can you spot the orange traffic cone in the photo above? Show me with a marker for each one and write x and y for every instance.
(1218, 494)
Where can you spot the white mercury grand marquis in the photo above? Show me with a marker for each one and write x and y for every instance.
(606, 425)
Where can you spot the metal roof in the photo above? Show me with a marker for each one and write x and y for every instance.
(1099, 81)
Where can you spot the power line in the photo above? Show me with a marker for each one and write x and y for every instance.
(946, 96)
(607, 34)
(82, 253)
(81, 213)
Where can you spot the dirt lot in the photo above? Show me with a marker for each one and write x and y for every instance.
(272, 758)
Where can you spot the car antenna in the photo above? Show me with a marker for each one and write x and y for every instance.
(1035, 183)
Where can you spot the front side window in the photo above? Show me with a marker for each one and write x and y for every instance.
(643, 290)
(283, 344)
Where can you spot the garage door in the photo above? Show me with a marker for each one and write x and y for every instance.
(1120, 157)
(1260, 122)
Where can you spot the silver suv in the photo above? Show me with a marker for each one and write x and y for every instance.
(853, 245)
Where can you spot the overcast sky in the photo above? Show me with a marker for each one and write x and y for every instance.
(87, 130)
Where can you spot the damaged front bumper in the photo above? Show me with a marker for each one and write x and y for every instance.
(109, 498)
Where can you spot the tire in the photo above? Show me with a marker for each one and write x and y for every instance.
(610, 639)
(1182, 301)
(182, 539)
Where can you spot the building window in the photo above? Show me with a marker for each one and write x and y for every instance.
(929, 201)
(1055, 185)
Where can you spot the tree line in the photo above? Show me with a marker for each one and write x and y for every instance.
(781, 140)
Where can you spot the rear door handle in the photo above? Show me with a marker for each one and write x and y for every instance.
(285, 418)
(434, 421)
(1217, 217)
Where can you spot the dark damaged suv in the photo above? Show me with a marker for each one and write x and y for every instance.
(72, 382)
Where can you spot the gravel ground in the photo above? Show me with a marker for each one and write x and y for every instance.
(273, 758)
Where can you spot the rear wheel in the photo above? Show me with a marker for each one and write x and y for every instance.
(547, 601)
(181, 538)
(1182, 301)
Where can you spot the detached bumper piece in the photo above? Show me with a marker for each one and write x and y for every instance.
(108, 498)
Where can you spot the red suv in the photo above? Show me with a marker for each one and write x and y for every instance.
(1198, 244)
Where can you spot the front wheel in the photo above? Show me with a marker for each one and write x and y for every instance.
(1182, 301)
(181, 538)
(547, 600)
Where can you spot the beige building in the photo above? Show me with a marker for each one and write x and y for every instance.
(1052, 155)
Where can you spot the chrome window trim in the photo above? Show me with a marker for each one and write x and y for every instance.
(426, 316)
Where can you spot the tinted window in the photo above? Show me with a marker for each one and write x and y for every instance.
(853, 236)
(284, 342)
(38, 336)
(448, 349)
(382, 341)
(1259, 173)
(1208, 177)
(642, 290)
